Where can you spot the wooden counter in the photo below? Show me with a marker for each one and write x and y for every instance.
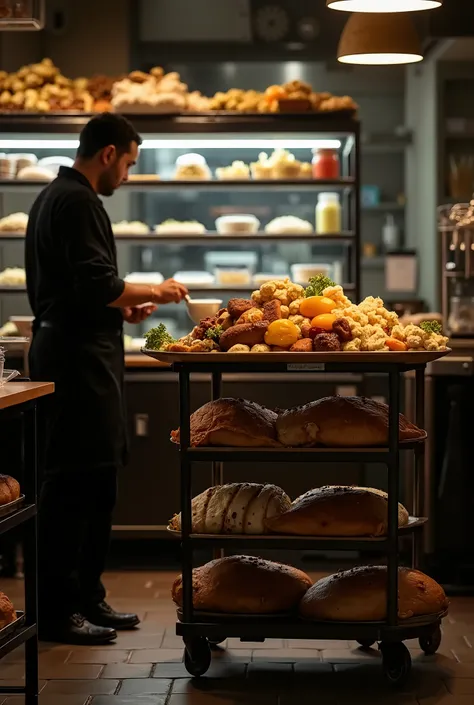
(15, 393)
(141, 360)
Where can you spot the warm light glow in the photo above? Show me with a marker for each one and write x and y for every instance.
(383, 5)
(380, 59)
(188, 144)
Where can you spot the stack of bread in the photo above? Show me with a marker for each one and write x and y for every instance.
(332, 422)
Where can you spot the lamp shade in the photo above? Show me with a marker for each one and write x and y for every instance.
(379, 39)
(383, 5)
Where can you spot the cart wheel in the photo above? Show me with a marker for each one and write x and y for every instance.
(396, 662)
(365, 643)
(430, 644)
(197, 656)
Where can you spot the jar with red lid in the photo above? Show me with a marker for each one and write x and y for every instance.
(326, 164)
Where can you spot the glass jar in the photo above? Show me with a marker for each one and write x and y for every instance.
(328, 214)
(326, 164)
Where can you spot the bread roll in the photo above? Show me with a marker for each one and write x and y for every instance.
(360, 594)
(337, 511)
(245, 585)
(9, 489)
(232, 422)
(341, 422)
(7, 611)
(237, 508)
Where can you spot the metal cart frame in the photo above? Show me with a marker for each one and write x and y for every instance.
(199, 632)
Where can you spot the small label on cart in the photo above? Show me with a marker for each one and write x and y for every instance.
(303, 366)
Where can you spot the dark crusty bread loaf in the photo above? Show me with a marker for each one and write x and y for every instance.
(341, 422)
(245, 585)
(360, 595)
(232, 422)
(9, 489)
(337, 510)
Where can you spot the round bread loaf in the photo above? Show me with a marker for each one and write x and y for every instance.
(232, 422)
(7, 611)
(237, 508)
(245, 585)
(349, 422)
(9, 489)
(360, 595)
(337, 510)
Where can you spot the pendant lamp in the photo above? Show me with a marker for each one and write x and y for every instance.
(379, 40)
(383, 5)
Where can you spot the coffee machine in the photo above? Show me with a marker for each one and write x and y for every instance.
(456, 227)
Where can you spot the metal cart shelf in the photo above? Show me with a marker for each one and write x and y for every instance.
(199, 632)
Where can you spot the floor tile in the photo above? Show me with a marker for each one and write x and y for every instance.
(139, 686)
(99, 686)
(67, 671)
(128, 700)
(101, 656)
(287, 655)
(51, 700)
(126, 670)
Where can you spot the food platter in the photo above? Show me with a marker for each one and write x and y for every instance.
(304, 360)
(413, 523)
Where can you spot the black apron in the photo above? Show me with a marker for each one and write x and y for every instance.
(82, 426)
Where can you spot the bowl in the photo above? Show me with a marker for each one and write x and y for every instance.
(202, 308)
(237, 225)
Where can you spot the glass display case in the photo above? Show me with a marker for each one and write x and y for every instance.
(172, 219)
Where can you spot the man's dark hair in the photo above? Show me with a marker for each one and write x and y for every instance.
(106, 129)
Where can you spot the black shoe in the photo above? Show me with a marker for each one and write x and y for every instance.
(76, 630)
(105, 616)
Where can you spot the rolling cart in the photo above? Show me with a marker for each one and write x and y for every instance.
(200, 630)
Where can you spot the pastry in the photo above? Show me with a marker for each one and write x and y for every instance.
(232, 422)
(341, 422)
(245, 585)
(238, 508)
(337, 511)
(9, 489)
(360, 595)
(7, 611)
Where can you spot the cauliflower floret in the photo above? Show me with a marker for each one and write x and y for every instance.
(336, 293)
(415, 337)
(257, 297)
(436, 342)
(298, 320)
(281, 295)
(260, 348)
(398, 332)
(295, 292)
(239, 348)
(373, 338)
(267, 291)
(352, 346)
(295, 307)
(285, 311)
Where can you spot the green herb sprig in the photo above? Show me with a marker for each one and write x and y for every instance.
(318, 284)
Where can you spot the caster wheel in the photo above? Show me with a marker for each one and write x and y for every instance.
(197, 656)
(430, 644)
(365, 643)
(396, 662)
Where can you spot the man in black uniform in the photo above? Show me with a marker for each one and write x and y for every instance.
(79, 304)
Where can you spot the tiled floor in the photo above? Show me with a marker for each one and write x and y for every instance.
(144, 667)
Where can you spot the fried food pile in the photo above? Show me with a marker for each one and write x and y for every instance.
(282, 316)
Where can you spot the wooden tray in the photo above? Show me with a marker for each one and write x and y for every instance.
(7, 509)
(413, 523)
(302, 359)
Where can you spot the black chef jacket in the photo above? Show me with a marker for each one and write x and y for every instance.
(71, 273)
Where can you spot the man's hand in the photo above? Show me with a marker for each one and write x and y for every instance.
(137, 314)
(170, 291)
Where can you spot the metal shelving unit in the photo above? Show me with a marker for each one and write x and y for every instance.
(200, 631)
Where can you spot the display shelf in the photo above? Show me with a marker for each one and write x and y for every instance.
(294, 455)
(204, 238)
(18, 186)
(13, 642)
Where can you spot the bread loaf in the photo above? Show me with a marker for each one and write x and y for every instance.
(341, 422)
(7, 611)
(237, 508)
(360, 594)
(337, 511)
(9, 489)
(245, 585)
(232, 422)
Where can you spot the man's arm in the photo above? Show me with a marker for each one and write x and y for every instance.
(93, 271)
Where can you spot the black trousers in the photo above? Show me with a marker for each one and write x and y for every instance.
(74, 527)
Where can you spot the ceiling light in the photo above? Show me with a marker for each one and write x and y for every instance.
(383, 5)
(379, 40)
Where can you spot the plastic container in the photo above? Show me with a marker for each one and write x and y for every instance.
(301, 273)
(198, 279)
(145, 278)
(237, 224)
(328, 214)
(232, 276)
(326, 164)
(192, 167)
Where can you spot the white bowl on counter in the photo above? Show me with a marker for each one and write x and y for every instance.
(202, 308)
(237, 225)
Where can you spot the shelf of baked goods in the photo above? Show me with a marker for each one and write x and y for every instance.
(13, 510)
